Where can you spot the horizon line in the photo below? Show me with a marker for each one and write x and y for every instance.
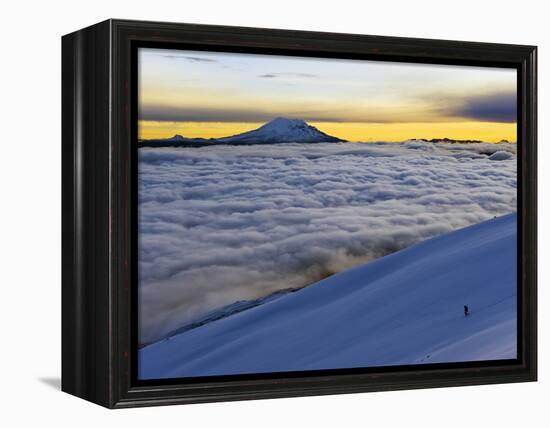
(173, 133)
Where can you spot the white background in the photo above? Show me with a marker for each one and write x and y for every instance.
(30, 273)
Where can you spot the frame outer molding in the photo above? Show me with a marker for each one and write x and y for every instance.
(86, 310)
(97, 164)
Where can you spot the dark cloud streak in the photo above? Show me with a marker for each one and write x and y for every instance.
(194, 114)
(275, 75)
(198, 59)
(500, 107)
(188, 58)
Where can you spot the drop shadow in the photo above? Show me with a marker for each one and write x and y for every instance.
(52, 382)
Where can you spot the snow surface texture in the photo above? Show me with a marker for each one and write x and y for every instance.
(226, 223)
(405, 308)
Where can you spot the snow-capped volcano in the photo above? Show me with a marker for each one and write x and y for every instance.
(278, 130)
(282, 130)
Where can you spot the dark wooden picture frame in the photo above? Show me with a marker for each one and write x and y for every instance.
(99, 216)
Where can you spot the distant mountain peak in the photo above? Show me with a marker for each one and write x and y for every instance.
(285, 121)
(277, 130)
(288, 125)
(282, 130)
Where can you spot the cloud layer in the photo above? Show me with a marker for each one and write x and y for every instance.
(220, 224)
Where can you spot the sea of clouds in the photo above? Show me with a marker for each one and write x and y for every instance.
(225, 223)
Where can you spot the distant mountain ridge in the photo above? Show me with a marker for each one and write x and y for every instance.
(454, 141)
(278, 130)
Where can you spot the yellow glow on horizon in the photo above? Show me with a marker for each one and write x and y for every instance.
(151, 129)
(484, 131)
(352, 131)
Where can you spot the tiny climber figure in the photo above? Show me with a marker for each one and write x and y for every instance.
(466, 310)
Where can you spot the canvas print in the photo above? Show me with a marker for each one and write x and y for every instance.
(299, 214)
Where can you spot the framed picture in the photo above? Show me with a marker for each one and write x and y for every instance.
(253, 213)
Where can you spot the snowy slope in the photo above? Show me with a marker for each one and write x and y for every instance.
(230, 310)
(405, 308)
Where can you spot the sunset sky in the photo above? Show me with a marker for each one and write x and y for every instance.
(209, 94)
